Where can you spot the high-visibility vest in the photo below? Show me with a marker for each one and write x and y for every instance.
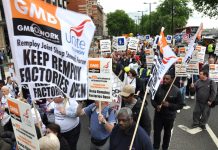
(210, 48)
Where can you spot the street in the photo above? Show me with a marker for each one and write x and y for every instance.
(181, 140)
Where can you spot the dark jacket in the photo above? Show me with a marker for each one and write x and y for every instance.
(145, 120)
(206, 90)
(119, 140)
(140, 86)
(174, 98)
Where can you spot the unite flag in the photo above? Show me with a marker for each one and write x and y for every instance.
(162, 64)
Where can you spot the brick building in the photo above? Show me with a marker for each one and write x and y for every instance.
(91, 8)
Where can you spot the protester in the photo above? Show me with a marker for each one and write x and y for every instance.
(54, 128)
(206, 90)
(49, 110)
(66, 118)
(49, 142)
(4, 112)
(211, 60)
(165, 111)
(12, 85)
(129, 100)
(101, 124)
(122, 133)
(137, 83)
(2, 83)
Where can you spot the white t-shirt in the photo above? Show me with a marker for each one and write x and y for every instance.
(70, 120)
(4, 116)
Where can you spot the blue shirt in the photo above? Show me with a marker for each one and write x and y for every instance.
(97, 130)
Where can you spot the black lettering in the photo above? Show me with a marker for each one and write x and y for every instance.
(48, 76)
(33, 59)
(34, 76)
(26, 57)
(22, 74)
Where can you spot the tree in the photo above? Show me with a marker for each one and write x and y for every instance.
(208, 7)
(170, 14)
(119, 23)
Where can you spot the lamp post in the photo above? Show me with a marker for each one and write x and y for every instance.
(137, 21)
(142, 20)
(172, 21)
(150, 14)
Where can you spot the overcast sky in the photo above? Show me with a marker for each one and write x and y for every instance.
(133, 6)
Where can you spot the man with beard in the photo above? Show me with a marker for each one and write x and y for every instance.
(165, 111)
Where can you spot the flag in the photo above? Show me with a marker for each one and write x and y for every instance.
(162, 64)
(192, 43)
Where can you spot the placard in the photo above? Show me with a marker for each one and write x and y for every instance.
(23, 125)
(213, 72)
(193, 67)
(100, 79)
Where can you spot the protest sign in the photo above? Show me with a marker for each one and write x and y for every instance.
(23, 125)
(121, 43)
(114, 43)
(133, 44)
(149, 61)
(201, 53)
(147, 37)
(48, 47)
(213, 72)
(156, 40)
(180, 70)
(169, 39)
(216, 49)
(193, 67)
(105, 46)
(100, 79)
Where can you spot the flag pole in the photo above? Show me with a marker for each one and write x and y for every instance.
(137, 123)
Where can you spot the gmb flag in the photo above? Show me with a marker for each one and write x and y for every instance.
(50, 48)
(162, 64)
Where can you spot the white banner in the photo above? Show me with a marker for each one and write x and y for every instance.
(192, 43)
(117, 87)
(100, 79)
(213, 72)
(162, 65)
(23, 125)
(133, 43)
(105, 46)
(50, 45)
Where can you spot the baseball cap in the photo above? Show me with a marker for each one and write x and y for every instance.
(127, 90)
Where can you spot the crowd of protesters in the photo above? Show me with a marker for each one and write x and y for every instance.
(59, 119)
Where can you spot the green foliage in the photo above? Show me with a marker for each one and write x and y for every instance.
(208, 7)
(119, 22)
(162, 17)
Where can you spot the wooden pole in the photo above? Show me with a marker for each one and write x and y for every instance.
(137, 123)
(169, 89)
(37, 118)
